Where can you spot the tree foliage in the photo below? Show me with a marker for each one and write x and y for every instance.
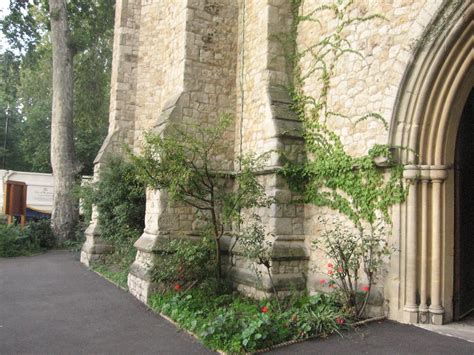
(26, 27)
(184, 164)
(11, 123)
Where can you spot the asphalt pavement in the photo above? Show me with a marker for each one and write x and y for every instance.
(52, 304)
(383, 338)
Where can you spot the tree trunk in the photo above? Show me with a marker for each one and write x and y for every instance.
(63, 159)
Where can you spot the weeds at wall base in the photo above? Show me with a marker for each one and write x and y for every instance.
(112, 273)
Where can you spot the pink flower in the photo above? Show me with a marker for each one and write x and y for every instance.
(365, 288)
(264, 309)
(340, 320)
(330, 272)
(332, 286)
(322, 282)
(330, 265)
(339, 270)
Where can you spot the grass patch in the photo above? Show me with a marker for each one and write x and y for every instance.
(114, 273)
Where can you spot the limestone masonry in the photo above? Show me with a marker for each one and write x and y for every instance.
(190, 61)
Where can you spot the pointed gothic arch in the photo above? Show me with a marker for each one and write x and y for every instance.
(425, 123)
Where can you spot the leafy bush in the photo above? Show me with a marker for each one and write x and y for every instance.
(184, 262)
(84, 193)
(35, 237)
(41, 232)
(237, 324)
(120, 200)
(355, 255)
(12, 243)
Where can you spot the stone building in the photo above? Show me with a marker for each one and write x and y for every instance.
(191, 60)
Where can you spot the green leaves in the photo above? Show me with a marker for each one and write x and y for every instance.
(332, 176)
(237, 324)
(26, 28)
(183, 162)
(356, 257)
(34, 238)
(120, 200)
(184, 263)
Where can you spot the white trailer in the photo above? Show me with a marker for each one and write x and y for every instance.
(39, 194)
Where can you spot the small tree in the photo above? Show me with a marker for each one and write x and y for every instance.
(354, 257)
(185, 164)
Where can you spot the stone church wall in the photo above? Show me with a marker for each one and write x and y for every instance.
(188, 61)
(362, 85)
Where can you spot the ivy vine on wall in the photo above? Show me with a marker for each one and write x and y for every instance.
(332, 176)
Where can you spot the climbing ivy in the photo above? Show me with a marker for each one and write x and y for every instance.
(331, 176)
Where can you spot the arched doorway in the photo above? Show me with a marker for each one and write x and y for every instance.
(426, 123)
(463, 300)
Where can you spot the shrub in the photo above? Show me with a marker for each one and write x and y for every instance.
(33, 238)
(84, 193)
(355, 255)
(40, 231)
(11, 241)
(120, 200)
(184, 263)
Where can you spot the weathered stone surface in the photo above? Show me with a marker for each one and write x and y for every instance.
(190, 61)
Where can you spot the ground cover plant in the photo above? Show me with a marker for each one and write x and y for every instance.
(195, 291)
(227, 321)
(34, 238)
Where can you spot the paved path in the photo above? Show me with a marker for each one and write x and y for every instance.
(51, 304)
(384, 338)
(463, 330)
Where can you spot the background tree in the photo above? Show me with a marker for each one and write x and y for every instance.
(63, 155)
(41, 32)
(27, 29)
(10, 117)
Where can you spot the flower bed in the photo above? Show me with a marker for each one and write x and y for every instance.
(233, 323)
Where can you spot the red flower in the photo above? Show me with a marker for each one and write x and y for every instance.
(264, 309)
(330, 265)
(322, 282)
(330, 272)
(365, 288)
(177, 287)
(340, 320)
